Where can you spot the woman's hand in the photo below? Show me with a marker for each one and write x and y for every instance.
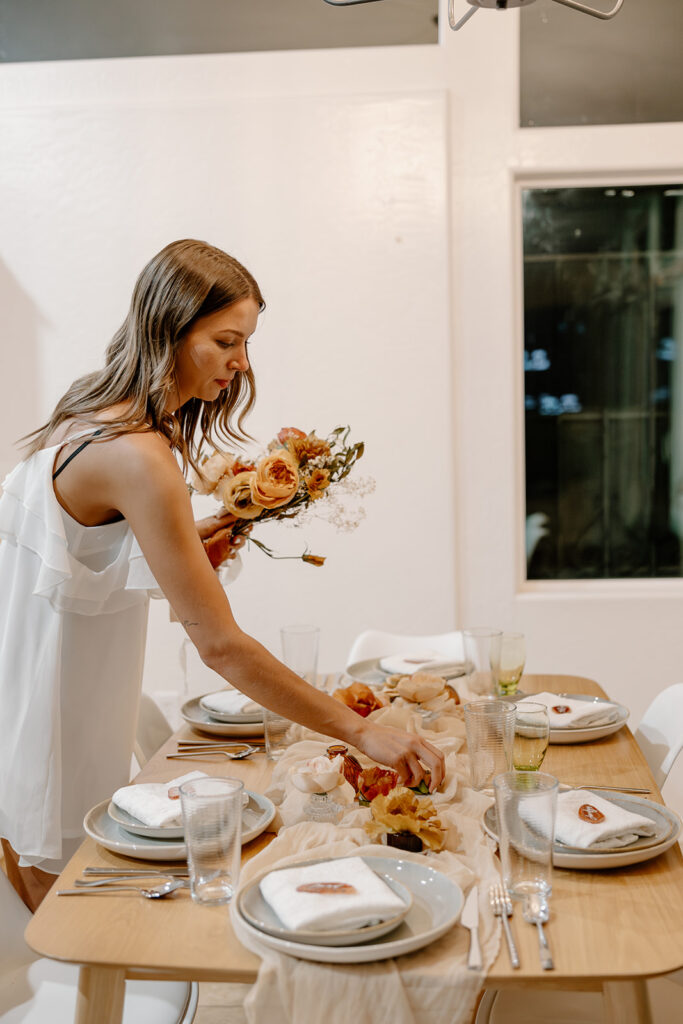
(216, 536)
(405, 752)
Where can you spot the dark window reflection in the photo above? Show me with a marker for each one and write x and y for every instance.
(603, 299)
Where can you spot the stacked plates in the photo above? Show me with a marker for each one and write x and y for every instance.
(120, 832)
(432, 905)
(584, 734)
(371, 673)
(250, 724)
(667, 829)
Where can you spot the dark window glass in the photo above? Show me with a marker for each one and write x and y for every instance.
(603, 322)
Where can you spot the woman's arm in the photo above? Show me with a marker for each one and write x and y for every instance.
(141, 478)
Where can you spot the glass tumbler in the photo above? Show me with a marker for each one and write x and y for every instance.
(300, 650)
(212, 820)
(490, 727)
(482, 656)
(526, 807)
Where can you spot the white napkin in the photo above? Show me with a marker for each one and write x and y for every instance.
(372, 901)
(230, 702)
(620, 827)
(424, 661)
(149, 802)
(581, 713)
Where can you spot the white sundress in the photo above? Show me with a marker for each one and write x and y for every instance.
(73, 621)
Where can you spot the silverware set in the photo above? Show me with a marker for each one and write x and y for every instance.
(196, 751)
(115, 880)
(535, 910)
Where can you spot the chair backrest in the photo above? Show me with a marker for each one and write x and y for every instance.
(14, 916)
(660, 733)
(153, 729)
(374, 643)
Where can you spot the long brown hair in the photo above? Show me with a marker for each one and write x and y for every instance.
(187, 280)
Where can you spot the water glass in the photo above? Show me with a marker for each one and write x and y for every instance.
(490, 727)
(212, 821)
(532, 734)
(526, 807)
(278, 735)
(512, 657)
(300, 650)
(482, 655)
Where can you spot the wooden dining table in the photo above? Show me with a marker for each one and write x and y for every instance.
(609, 930)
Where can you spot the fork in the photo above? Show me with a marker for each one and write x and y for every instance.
(156, 892)
(202, 755)
(502, 908)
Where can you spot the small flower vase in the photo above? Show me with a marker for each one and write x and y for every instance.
(319, 807)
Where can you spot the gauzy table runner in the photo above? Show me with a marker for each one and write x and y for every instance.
(430, 986)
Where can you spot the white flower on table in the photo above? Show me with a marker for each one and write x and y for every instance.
(318, 775)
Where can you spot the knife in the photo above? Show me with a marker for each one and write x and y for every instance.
(470, 919)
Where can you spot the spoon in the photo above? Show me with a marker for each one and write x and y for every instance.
(535, 910)
(156, 892)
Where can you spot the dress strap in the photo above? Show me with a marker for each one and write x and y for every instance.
(75, 453)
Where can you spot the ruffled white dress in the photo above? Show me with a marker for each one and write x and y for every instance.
(73, 620)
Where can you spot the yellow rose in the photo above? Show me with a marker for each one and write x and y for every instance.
(308, 447)
(235, 493)
(276, 480)
(212, 469)
(317, 482)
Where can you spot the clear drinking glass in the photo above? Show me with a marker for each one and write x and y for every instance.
(277, 734)
(526, 806)
(490, 727)
(212, 820)
(511, 663)
(482, 655)
(300, 650)
(532, 733)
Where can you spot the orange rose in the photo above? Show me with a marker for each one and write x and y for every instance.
(276, 480)
(287, 432)
(235, 493)
(317, 482)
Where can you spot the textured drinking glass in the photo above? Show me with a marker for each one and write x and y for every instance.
(526, 805)
(490, 726)
(300, 650)
(532, 733)
(510, 663)
(277, 734)
(212, 820)
(482, 654)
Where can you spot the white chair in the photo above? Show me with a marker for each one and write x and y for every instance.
(35, 990)
(660, 737)
(660, 733)
(374, 643)
(153, 729)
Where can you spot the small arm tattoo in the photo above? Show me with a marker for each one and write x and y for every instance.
(187, 622)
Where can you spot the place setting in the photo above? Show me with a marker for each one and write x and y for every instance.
(577, 718)
(145, 820)
(354, 909)
(226, 712)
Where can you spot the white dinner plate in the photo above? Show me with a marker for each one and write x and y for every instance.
(592, 732)
(370, 673)
(131, 824)
(200, 719)
(258, 913)
(667, 823)
(256, 817)
(437, 902)
(241, 718)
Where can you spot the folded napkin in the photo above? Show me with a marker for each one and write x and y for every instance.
(150, 803)
(230, 702)
(581, 713)
(619, 827)
(425, 661)
(372, 901)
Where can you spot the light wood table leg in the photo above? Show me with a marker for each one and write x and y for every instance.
(101, 991)
(626, 1002)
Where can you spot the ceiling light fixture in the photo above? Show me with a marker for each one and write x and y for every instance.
(498, 5)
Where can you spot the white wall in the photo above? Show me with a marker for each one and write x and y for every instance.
(335, 196)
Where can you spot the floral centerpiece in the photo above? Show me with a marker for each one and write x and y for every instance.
(296, 470)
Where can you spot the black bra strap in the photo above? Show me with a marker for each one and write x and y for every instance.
(74, 454)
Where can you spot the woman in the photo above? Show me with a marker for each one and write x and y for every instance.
(95, 519)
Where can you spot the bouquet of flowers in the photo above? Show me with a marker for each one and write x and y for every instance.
(296, 470)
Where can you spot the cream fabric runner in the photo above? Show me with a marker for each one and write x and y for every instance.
(430, 986)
